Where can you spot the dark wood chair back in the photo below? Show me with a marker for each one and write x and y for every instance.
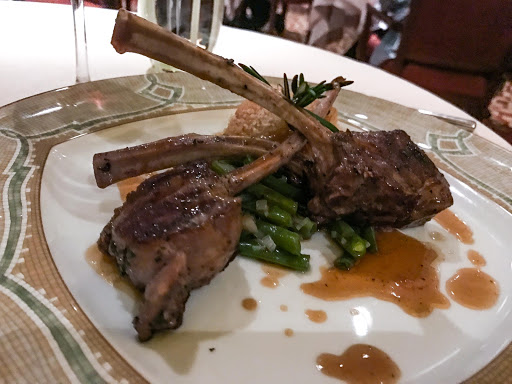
(458, 49)
(464, 35)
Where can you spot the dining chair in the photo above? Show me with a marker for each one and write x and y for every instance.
(458, 49)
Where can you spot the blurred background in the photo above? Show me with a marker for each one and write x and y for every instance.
(460, 50)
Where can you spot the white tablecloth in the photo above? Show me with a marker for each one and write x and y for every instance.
(37, 55)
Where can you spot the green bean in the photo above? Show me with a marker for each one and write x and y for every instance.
(347, 237)
(282, 237)
(307, 226)
(256, 251)
(263, 192)
(274, 214)
(344, 230)
(248, 159)
(283, 187)
(222, 167)
(344, 263)
(369, 236)
(357, 246)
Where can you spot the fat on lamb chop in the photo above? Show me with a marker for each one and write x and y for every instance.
(377, 178)
(180, 228)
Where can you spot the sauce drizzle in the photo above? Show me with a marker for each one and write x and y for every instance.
(288, 332)
(400, 272)
(273, 276)
(476, 258)
(283, 308)
(473, 288)
(128, 185)
(453, 224)
(106, 267)
(360, 364)
(316, 316)
(249, 304)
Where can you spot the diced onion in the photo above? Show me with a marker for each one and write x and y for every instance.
(268, 243)
(249, 224)
(301, 223)
(262, 206)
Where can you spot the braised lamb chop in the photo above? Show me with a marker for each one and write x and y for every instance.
(180, 228)
(378, 178)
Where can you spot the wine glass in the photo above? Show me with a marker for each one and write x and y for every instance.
(82, 65)
(196, 20)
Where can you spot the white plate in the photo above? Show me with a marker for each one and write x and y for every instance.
(250, 347)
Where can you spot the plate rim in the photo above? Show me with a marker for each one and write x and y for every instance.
(165, 109)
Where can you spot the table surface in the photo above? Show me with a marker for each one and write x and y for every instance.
(37, 44)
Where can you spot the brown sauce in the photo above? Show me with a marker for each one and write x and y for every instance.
(129, 185)
(360, 364)
(103, 265)
(249, 304)
(316, 316)
(283, 308)
(455, 226)
(476, 258)
(273, 276)
(473, 288)
(401, 272)
(106, 267)
(288, 332)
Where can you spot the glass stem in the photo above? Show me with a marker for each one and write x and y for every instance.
(82, 65)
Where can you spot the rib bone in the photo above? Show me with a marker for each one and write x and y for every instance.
(135, 34)
(111, 167)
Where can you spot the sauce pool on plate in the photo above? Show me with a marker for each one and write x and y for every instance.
(476, 258)
(318, 316)
(400, 272)
(453, 224)
(106, 267)
(360, 364)
(128, 185)
(103, 265)
(273, 274)
(473, 288)
(249, 304)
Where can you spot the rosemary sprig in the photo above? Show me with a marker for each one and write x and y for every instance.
(251, 71)
(302, 94)
(324, 122)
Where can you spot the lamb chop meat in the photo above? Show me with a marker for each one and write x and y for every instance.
(379, 178)
(153, 238)
(180, 228)
(383, 179)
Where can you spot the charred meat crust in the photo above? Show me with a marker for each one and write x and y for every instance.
(154, 239)
(382, 179)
